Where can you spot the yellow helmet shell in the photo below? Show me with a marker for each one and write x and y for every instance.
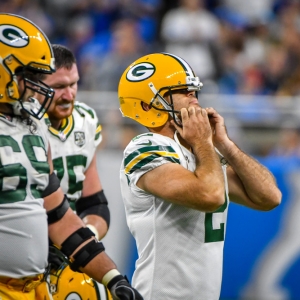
(146, 80)
(68, 285)
(22, 44)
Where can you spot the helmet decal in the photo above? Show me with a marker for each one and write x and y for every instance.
(140, 72)
(13, 36)
(73, 296)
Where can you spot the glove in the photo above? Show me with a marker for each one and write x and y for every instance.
(121, 289)
(55, 257)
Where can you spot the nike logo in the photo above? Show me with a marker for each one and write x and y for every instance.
(146, 144)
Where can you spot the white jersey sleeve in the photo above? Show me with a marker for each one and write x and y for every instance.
(73, 148)
(145, 153)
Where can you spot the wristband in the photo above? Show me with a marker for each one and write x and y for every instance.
(109, 276)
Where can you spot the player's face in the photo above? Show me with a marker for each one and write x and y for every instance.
(29, 93)
(183, 99)
(64, 82)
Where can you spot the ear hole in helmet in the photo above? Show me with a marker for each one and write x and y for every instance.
(145, 106)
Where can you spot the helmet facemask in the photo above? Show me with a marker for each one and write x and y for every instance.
(193, 84)
(31, 81)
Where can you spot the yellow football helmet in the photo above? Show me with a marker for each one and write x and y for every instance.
(24, 51)
(147, 80)
(68, 285)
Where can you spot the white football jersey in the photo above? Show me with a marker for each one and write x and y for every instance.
(180, 250)
(24, 175)
(73, 148)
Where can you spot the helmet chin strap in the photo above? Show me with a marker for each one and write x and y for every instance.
(165, 104)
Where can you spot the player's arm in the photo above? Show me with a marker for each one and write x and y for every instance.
(250, 183)
(203, 189)
(86, 254)
(61, 219)
(92, 207)
(174, 183)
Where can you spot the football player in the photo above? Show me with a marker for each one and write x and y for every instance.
(175, 183)
(74, 134)
(32, 203)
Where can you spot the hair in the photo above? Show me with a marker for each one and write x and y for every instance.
(64, 57)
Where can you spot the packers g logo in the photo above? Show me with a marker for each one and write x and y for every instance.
(73, 296)
(13, 36)
(140, 72)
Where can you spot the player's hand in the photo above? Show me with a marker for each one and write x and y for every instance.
(220, 136)
(196, 128)
(121, 289)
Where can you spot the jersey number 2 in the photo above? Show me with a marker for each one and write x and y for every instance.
(212, 234)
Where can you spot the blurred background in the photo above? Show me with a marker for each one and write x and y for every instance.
(247, 54)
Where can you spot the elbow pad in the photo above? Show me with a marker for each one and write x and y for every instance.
(86, 253)
(95, 204)
(53, 185)
(58, 212)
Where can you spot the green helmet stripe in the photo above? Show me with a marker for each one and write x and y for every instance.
(183, 63)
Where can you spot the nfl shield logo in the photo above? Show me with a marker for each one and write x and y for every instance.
(79, 138)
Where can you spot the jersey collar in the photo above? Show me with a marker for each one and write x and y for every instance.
(65, 130)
